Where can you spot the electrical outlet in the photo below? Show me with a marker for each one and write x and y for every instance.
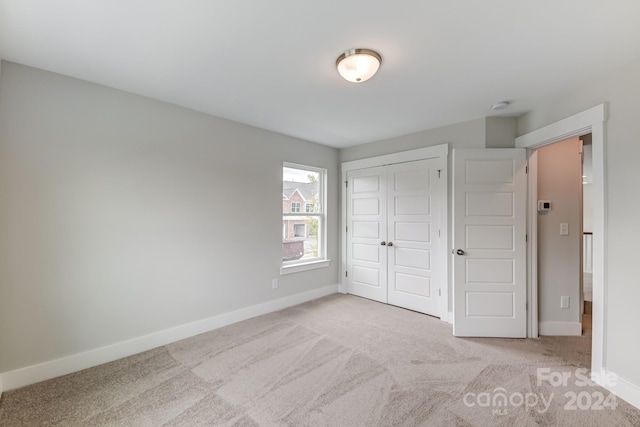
(274, 284)
(564, 302)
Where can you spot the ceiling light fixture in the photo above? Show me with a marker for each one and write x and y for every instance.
(358, 65)
(500, 105)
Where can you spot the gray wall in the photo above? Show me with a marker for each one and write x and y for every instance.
(469, 134)
(559, 257)
(621, 90)
(500, 132)
(488, 132)
(122, 216)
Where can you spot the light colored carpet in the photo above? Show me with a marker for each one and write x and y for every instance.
(336, 361)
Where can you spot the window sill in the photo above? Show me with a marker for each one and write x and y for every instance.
(296, 268)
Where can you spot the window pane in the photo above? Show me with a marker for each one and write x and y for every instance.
(301, 238)
(300, 188)
(302, 194)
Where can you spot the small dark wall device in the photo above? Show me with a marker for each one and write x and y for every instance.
(544, 205)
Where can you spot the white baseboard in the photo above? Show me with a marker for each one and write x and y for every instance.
(560, 328)
(77, 362)
(622, 388)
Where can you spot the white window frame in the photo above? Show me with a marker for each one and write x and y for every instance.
(298, 208)
(321, 261)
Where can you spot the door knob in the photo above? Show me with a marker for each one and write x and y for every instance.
(390, 244)
(460, 252)
(383, 243)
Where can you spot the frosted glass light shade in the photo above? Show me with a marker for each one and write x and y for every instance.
(358, 65)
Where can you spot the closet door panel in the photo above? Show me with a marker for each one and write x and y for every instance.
(412, 221)
(366, 230)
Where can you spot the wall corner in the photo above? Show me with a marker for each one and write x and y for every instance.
(500, 132)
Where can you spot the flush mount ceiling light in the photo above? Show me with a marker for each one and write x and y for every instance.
(358, 65)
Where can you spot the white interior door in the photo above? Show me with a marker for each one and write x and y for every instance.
(489, 260)
(367, 233)
(412, 200)
(392, 235)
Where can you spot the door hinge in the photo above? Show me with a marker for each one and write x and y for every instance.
(346, 184)
(347, 229)
(439, 170)
(439, 292)
(526, 237)
(346, 274)
(438, 232)
(526, 169)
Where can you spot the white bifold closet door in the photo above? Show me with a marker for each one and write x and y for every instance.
(393, 235)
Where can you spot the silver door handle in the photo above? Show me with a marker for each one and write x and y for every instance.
(460, 252)
(383, 243)
(390, 244)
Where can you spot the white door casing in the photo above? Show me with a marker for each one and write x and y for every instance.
(489, 243)
(392, 235)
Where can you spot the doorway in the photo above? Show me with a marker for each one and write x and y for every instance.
(587, 231)
(559, 237)
(589, 121)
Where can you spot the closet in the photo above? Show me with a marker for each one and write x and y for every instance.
(393, 234)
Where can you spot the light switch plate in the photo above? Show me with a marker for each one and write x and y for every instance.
(564, 228)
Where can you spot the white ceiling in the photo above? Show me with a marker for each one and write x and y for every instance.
(271, 63)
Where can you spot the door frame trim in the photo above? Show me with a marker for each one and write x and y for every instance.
(591, 121)
(440, 151)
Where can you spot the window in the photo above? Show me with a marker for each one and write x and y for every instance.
(304, 235)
